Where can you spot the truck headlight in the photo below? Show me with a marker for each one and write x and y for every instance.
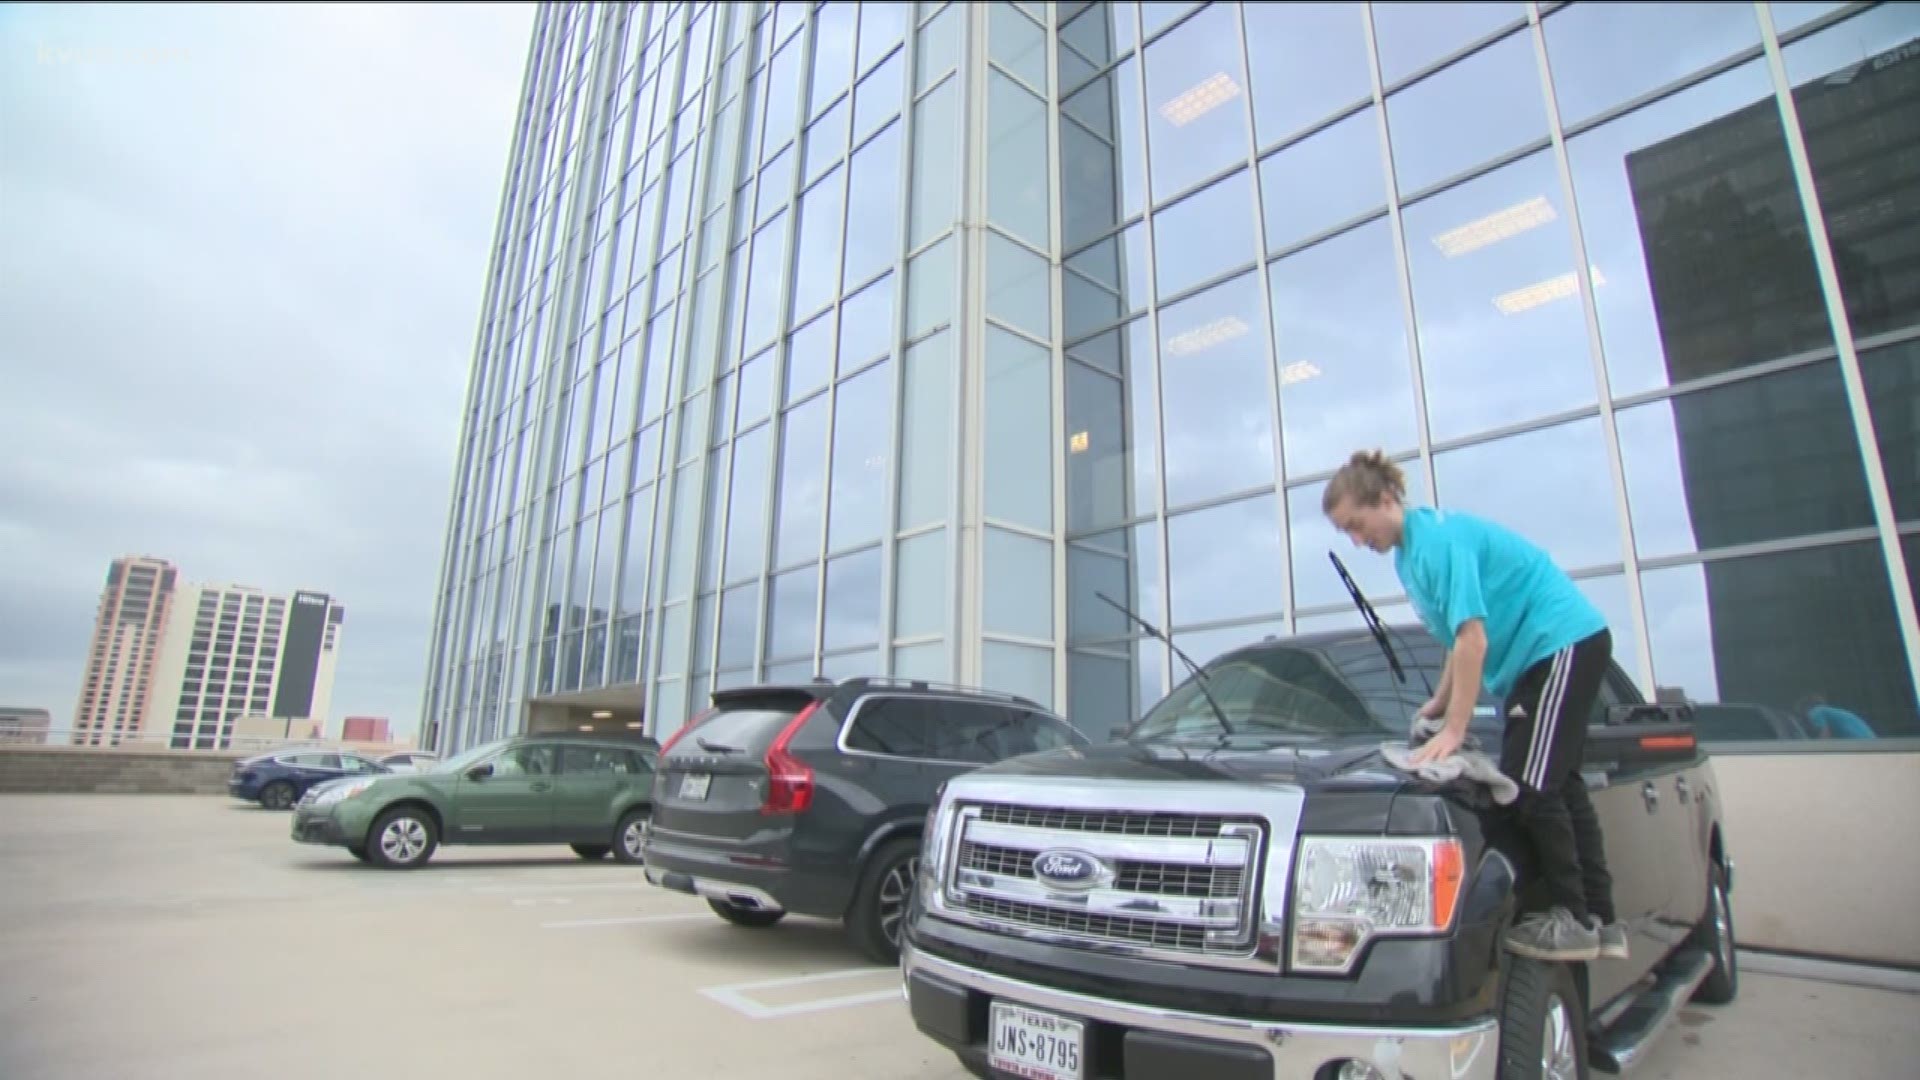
(1349, 891)
(933, 849)
(340, 793)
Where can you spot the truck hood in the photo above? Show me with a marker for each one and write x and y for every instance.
(1344, 765)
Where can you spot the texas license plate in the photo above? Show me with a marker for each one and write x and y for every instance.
(694, 785)
(1036, 1045)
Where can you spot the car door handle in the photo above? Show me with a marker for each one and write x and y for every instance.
(1651, 794)
(1686, 790)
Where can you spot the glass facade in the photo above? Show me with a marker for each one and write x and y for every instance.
(886, 338)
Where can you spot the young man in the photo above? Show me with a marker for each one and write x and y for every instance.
(1514, 622)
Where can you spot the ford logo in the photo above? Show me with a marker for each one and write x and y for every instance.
(1064, 869)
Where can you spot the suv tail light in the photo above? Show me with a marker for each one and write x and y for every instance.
(789, 780)
(684, 728)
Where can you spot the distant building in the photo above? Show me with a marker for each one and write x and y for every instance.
(234, 651)
(371, 729)
(24, 725)
(118, 685)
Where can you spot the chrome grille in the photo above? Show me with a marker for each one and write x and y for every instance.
(1148, 932)
(1104, 821)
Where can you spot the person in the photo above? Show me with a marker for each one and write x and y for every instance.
(1513, 621)
(1831, 721)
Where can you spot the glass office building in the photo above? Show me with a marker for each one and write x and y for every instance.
(883, 338)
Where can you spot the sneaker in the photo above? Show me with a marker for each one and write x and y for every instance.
(1613, 938)
(1554, 935)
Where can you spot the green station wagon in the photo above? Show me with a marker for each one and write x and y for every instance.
(593, 792)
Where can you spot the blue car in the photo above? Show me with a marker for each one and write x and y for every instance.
(277, 780)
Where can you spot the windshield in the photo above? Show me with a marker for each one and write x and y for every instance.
(1342, 689)
(460, 762)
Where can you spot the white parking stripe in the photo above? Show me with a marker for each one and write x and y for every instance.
(735, 997)
(571, 886)
(622, 920)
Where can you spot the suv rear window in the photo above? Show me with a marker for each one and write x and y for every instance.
(748, 724)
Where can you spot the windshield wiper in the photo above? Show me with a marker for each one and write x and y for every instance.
(1375, 626)
(1199, 677)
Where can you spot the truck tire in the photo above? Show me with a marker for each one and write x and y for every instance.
(1714, 936)
(880, 904)
(1543, 1023)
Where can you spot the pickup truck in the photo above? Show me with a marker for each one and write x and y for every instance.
(1276, 900)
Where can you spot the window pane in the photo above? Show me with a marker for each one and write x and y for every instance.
(1019, 430)
(793, 671)
(1195, 87)
(817, 263)
(1769, 635)
(1102, 154)
(1018, 669)
(929, 660)
(1760, 459)
(764, 281)
(747, 507)
(739, 616)
(1415, 34)
(1016, 43)
(1107, 281)
(1016, 153)
(1112, 475)
(1225, 561)
(1311, 536)
(921, 585)
(1205, 235)
(1892, 375)
(1204, 645)
(926, 432)
(1018, 583)
(1499, 88)
(940, 41)
(881, 28)
(1105, 692)
(936, 163)
(1018, 290)
(877, 99)
(866, 325)
(803, 495)
(1493, 281)
(810, 357)
(1551, 486)
(1214, 382)
(862, 436)
(708, 609)
(1698, 243)
(1346, 378)
(1308, 61)
(1860, 127)
(1605, 54)
(673, 641)
(930, 285)
(853, 600)
(756, 390)
(1092, 37)
(853, 665)
(1124, 565)
(790, 613)
(1331, 177)
(783, 95)
(874, 190)
(833, 46)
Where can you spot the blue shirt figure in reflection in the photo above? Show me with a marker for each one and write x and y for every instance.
(1514, 622)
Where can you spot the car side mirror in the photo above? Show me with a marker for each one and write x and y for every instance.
(480, 771)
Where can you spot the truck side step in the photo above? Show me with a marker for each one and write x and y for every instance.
(1624, 1044)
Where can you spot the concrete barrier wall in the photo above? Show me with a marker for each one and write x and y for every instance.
(120, 772)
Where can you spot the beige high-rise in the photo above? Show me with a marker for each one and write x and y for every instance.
(127, 631)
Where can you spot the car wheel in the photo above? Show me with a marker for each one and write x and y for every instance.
(1543, 1028)
(880, 906)
(629, 834)
(754, 918)
(402, 839)
(277, 795)
(591, 852)
(1714, 936)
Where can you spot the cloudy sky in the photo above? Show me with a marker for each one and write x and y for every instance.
(242, 252)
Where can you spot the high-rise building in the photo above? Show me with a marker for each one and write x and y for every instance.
(233, 651)
(127, 630)
(24, 725)
(885, 337)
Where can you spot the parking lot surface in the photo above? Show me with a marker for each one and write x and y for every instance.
(157, 937)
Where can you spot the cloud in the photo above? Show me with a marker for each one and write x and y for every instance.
(242, 259)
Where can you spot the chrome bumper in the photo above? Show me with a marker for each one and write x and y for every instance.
(1471, 1052)
(745, 896)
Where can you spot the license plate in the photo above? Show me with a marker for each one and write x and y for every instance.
(694, 785)
(1036, 1045)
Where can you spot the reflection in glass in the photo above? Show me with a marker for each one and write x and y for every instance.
(764, 280)
(1196, 89)
(862, 434)
(1412, 35)
(1226, 561)
(921, 585)
(1551, 486)
(1102, 154)
(747, 506)
(1767, 636)
(1016, 43)
(866, 325)
(853, 600)
(1700, 265)
(1331, 177)
(1892, 377)
(756, 391)
(928, 660)
(1309, 61)
(936, 162)
(1109, 280)
(803, 446)
(1503, 338)
(1207, 645)
(1112, 428)
(1017, 584)
(739, 615)
(1605, 54)
(1204, 235)
(877, 99)
(930, 285)
(926, 432)
(882, 26)
(809, 357)
(1018, 669)
(1124, 565)
(1498, 87)
(833, 46)
(1017, 292)
(1311, 536)
(791, 609)
(851, 665)
(1018, 423)
(1016, 148)
(1346, 377)
(1216, 393)
(1101, 689)
(817, 256)
(1857, 90)
(873, 232)
(1760, 459)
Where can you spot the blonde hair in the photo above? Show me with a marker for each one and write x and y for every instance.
(1367, 477)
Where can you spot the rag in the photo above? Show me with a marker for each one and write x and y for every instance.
(1468, 763)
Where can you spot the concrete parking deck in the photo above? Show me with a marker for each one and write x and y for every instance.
(161, 937)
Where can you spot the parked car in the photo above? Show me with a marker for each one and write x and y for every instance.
(409, 761)
(810, 798)
(1278, 901)
(593, 793)
(278, 780)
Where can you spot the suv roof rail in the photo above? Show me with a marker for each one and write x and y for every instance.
(897, 682)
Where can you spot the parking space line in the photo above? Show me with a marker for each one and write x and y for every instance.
(735, 996)
(571, 886)
(622, 920)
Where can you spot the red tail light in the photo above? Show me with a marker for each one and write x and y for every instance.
(789, 780)
(688, 726)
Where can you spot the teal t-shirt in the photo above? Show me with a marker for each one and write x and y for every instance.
(1457, 567)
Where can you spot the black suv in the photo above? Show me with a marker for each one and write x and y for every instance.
(811, 798)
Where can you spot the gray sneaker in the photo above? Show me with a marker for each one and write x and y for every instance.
(1613, 938)
(1554, 935)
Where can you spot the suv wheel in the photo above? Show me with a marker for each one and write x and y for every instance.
(277, 795)
(628, 835)
(1543, 1030)
(750, 917)
(880, 906)
(402, 839)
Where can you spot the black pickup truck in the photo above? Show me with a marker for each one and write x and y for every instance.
(1278, 901)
